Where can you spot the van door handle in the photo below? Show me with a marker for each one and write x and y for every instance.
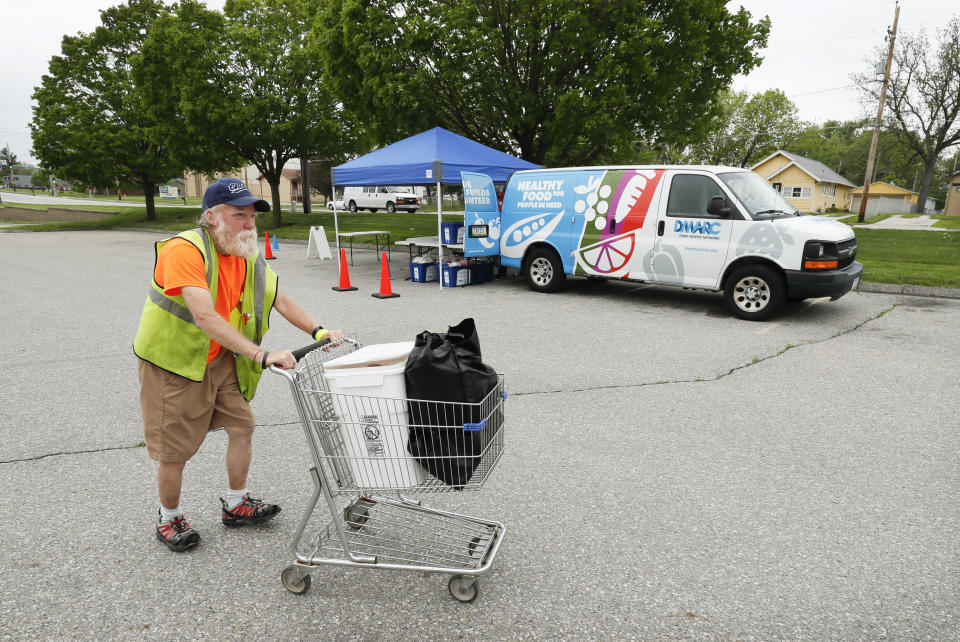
(660, 228)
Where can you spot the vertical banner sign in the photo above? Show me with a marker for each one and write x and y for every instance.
(481, 216)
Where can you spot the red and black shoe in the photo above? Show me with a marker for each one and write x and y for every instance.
(248, 511)
(177, 534)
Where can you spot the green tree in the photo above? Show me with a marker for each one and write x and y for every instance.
(242, 86)
(923, 98)
(557, 81)
(89, 123)
(748, 128)
(7, 157)
(41, 178)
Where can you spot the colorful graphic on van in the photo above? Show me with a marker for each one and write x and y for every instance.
(481, 215)
(763, 238)
(529, 230)
(615, 206)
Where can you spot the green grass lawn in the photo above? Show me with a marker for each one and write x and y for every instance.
(909, 257)
(295, 226)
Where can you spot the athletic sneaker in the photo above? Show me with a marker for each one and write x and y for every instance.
(177, 534)
(248, 511)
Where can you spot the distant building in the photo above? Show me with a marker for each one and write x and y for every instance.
(808, 185)
(887, 198)
(952, 206)
(196, 184)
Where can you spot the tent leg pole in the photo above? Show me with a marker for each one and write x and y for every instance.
(440, 235)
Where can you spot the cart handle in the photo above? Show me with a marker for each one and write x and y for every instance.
(302, 352)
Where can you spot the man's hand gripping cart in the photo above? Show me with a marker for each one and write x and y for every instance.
(366, 482)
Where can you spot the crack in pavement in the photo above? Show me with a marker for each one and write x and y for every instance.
(729, 372)
(755, 361)
(110, 448)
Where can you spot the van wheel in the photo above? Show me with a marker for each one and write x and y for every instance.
(544, 270)
(755, 292)
(391, 207)
(353, 206)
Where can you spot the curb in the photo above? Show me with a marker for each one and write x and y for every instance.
(910, 290)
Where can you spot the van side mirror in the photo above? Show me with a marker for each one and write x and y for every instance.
(718, 207)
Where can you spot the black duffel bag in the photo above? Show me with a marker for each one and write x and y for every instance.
(444, 367)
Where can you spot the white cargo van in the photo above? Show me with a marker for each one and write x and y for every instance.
(373, 198)
(706, 227)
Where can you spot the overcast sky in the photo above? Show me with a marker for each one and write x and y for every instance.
(814, 47)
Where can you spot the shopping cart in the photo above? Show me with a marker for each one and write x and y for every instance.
(364, 471)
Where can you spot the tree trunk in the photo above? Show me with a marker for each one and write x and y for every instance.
(148, 198)
(275, 197)
(929, 166)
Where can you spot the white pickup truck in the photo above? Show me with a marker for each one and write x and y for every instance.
(373, 198)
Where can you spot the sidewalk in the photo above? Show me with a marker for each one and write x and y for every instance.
(902, 223)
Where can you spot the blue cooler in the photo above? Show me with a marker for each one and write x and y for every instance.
(452, 232)
(455, 276)
(481, 271)
(423, 272)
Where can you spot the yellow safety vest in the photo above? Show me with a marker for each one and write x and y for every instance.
(169, 338)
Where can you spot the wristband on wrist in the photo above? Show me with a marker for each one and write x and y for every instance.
(263, 360)
(319, 333)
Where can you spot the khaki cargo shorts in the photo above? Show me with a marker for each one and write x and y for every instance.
(178, 413)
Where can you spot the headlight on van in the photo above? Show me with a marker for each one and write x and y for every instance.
(820, 255)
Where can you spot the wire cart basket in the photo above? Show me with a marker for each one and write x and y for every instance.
(365, 473)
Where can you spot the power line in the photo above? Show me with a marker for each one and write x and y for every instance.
(821, 91)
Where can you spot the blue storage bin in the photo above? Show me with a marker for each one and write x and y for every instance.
(455, 276)
(423, 272)
(481, 271)
(452, 232)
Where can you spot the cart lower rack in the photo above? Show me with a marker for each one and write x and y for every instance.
(361, 447)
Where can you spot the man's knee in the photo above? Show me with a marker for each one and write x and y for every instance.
(242, 434)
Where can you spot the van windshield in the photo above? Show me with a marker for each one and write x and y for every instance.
(761, 200)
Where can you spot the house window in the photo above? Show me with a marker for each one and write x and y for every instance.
(823, 189)
(778, 187)
(833, 189)
(797, 192)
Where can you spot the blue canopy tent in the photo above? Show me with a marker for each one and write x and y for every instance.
(434, 157)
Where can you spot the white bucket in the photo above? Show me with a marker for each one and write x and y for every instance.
(370, 401)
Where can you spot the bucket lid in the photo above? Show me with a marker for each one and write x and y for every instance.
(381, 354)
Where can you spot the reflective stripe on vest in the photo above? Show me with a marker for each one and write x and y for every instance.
(169, 337)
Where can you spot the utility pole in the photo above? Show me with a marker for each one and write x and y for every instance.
(305, 183)
(892, 37)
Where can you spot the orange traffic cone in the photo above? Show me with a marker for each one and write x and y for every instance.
(385, 292)
(267, 254)
(344, 274)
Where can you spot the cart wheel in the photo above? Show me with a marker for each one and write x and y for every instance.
(457, 590)
(292, 585)
(356, 515)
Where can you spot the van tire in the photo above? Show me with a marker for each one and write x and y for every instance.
(543, 270)
(755, 292)
(391, 207)
(353, 206)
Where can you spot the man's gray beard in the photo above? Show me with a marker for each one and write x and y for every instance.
(243, 243)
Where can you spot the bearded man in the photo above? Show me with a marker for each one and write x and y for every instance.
(200, 356)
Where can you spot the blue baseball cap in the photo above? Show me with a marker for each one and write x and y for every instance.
(232, 191)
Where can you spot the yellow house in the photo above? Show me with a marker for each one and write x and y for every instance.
(887, 198)
(952, 206)
(196, 184)
(808, 185)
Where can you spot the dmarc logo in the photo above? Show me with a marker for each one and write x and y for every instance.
(696, 227)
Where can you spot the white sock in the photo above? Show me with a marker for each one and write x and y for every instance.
(167, 514)
(234, 497)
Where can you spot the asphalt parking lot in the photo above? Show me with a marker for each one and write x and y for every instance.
(671, 472)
